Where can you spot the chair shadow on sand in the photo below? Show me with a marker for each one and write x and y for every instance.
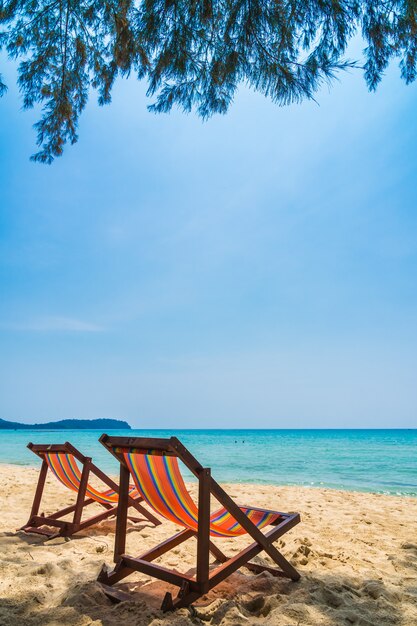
(333, 599)
(100, 530)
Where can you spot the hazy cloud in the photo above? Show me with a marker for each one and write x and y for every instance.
(53, 324)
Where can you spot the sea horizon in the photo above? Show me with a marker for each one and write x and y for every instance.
(375, 460)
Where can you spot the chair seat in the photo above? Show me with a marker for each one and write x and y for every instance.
(64, 466)
(223, 524)
(159, 481)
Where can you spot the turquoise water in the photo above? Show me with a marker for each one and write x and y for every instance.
(382, 461)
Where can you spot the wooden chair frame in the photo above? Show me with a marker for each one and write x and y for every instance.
(191, 588)
(37, 522)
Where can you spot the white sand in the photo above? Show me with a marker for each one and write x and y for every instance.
(357, 554)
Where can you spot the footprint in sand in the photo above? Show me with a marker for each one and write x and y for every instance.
(303, 554)
(254, 603)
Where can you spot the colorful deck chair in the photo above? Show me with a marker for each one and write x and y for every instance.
(61, 460)
(153, 465)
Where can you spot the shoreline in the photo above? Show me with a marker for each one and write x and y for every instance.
(31, 427)
(380, 461)
(35, 466)
(356, 553)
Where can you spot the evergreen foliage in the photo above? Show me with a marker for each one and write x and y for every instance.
(193, 53)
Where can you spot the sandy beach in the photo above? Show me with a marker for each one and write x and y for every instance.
(356, 552)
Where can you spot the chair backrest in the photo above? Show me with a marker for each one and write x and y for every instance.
(160, 483)
(154, 467)
(62, 461)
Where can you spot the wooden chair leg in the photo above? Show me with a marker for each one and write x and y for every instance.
(81, 493)
(184, 598)
(123, 505)
(285, 566)
(38, 493)
(203, 533)
(257, 568)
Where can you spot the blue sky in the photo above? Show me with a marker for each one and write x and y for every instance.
(256, 270)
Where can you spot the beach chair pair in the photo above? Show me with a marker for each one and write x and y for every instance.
(63, 461)
(152, 464)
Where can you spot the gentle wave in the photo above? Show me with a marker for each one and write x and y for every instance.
(379, 461)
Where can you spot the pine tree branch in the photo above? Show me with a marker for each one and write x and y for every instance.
(194, 53)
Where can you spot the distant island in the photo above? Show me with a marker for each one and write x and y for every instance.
(99, 424)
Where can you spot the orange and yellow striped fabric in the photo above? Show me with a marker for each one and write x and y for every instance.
(65, 468)
(159, 481)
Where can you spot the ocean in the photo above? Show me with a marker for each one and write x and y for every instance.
(379, 461)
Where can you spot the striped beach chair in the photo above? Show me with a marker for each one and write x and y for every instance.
(64, 461)
(153, 465)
